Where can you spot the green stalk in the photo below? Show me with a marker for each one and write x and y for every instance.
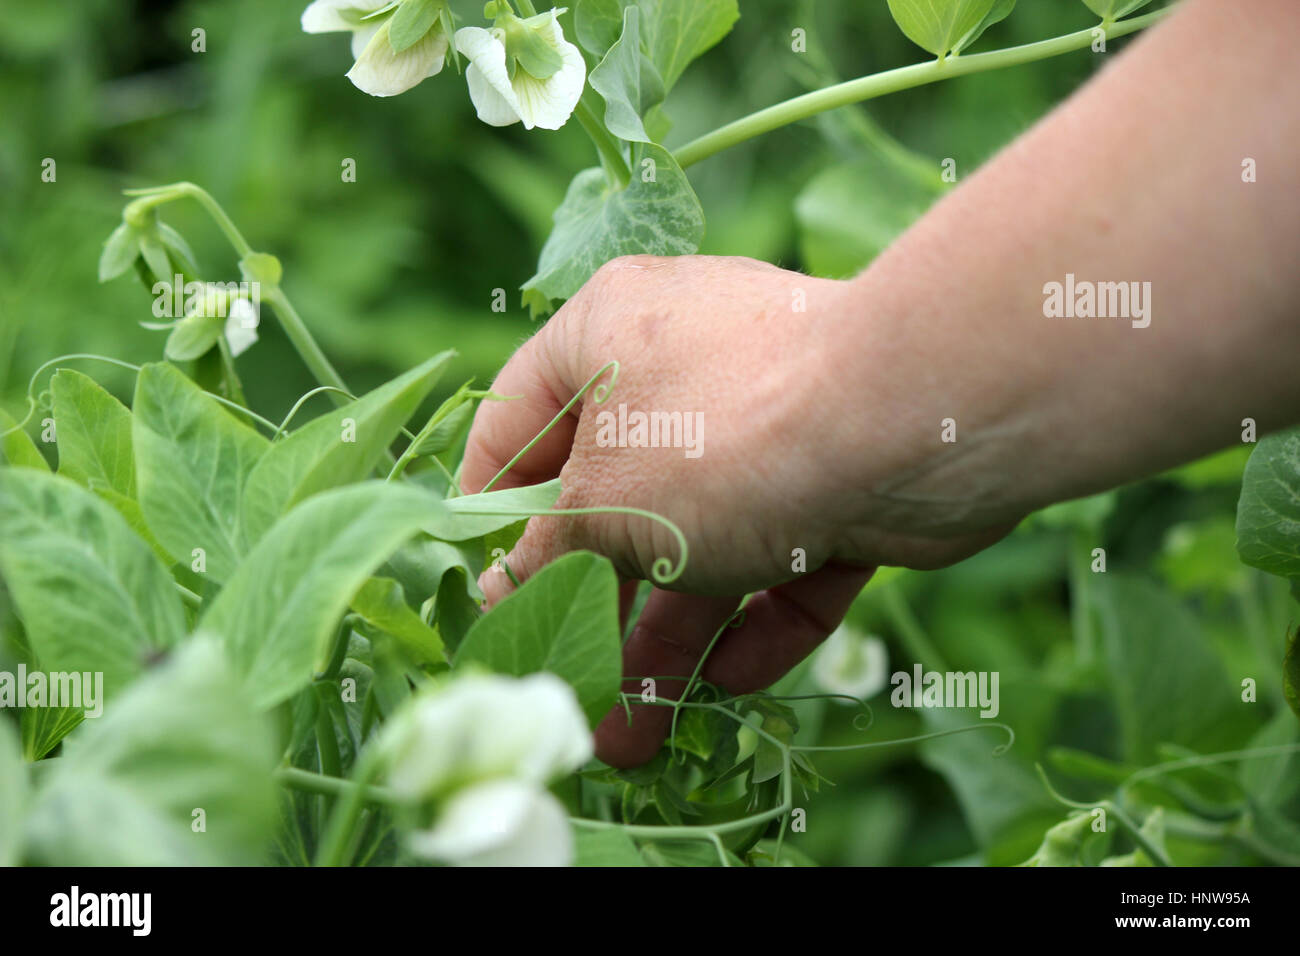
(301, 339)
(892, 81)
(611, 157)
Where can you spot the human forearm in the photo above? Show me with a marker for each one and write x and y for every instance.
(1138, 178)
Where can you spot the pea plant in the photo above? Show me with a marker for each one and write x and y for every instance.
(285, 617)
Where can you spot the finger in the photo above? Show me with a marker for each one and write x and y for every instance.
(782, 626)
(543, 540)
(669, 638)
(541, 375)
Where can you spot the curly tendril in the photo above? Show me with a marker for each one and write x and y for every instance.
(598, 395)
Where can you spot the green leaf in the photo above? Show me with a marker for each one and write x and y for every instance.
(847, 214)
(92, 595)
(525, 45)
(564, 620)
(1268, 513)
(455, 609)
(1001, 10)
(939, 25)
(686, 853)
(382, 604)
(472, 516)
(335, 449)
(193, 336)
(1114, 9)
(44, 727)
(1168, 683)
(675, 32)
(628, 82)
(193, 462)
(657, 213)
(597, 24)
(445, 425)
(279, 611)
(411, 22)
(764, 853)
(17, 448)
(13, 797)
(605, 848)
(96, 447)
(120, 251)
(672, 32)
(94, 431)
(182, 739)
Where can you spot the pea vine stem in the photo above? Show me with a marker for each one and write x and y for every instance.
(892, 81)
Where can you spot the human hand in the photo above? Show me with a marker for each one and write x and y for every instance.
(746, 353)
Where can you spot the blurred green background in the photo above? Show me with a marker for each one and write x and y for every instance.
(403, 262)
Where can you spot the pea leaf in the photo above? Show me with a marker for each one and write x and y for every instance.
(13, 796)
(472, 516)
(1268, 512)
(91, 594)
(939, 25)
(1169, 685)
(672, 32)
(94, 431)
(848, 213)
(657, 213)
(382, 605)
(182, 739)
(17, 447)
(193, 462)
(1114, 9)
(564, 620)
(628, 82)
(411, 22)
(605, 848)
(1001, 10)
(96, 448)
(335, 449)
(279, 610)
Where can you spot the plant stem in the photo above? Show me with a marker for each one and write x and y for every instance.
(909, 629)
(309, 782)
(892, 81)
(611, 157)
(294, 327)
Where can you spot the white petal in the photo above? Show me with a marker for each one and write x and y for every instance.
(486, 726)
(381, 72)
(492, 108)
(503, 823)
(326, 16)
(549, 103)
(241, 326)
(852, 663)
(489, 83)
(362, 36)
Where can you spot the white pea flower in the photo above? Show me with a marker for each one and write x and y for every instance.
(500, 823)
(481, 727)
(241, 326)
(379, 70)
(482, 749)
(522, 69)
(853, 664)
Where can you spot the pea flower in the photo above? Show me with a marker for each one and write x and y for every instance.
(522, 69)
(482, 750)
(385, 65)
(852, 664)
